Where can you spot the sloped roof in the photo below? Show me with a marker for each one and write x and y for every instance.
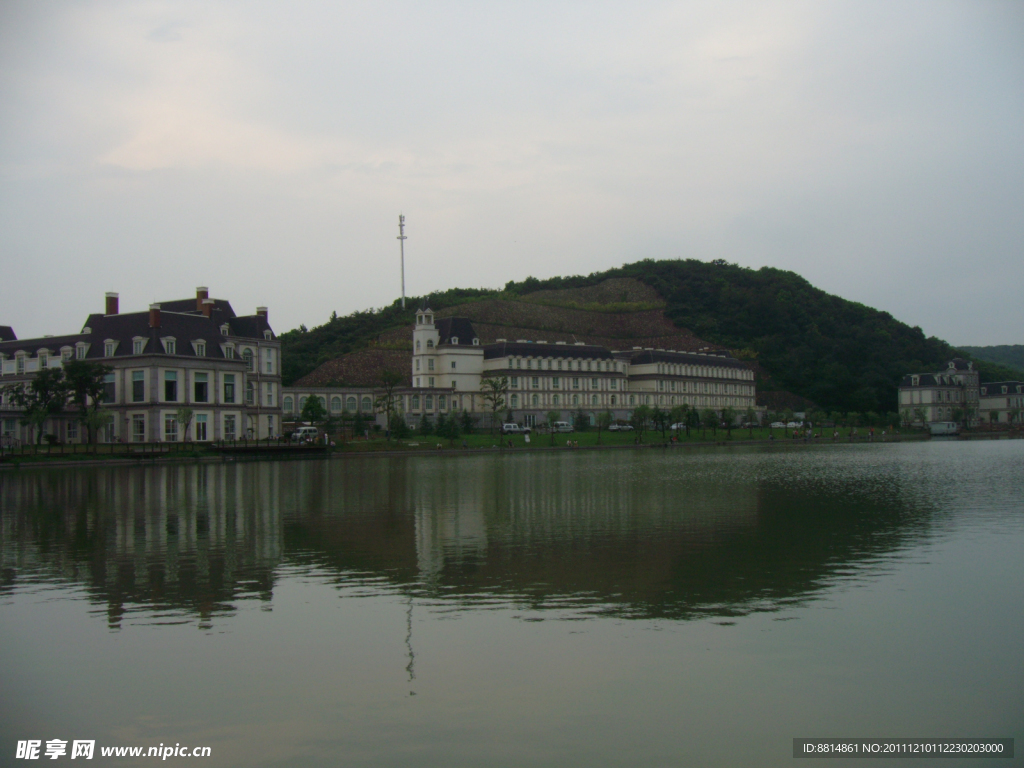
(533, 349)
(460, 328)
(647, 356)
(7, 333)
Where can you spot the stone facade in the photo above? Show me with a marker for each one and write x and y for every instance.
(190, 352)
(930, 397)
(449, 366)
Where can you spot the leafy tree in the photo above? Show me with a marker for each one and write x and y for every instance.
(41, 399)
(678, 414)
(709, 418)
(659, 419)
(495, 389)
(603, 421)
(359, 423)
(580, 422)
(1013, 415)
(467, 423)
(552, 417)
(920, 415)
(86, 385)
(751, 418)
(641, 418)
(184, 418)
(313, 411)
(397, 426)
(426, 426)
(728, 416)
(448, 428)
(385, 402)
(692, 420)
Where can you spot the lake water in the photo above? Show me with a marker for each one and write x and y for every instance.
(613, 608)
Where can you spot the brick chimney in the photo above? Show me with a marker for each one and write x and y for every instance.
(261, 312)
(111, 303)
(154, 315)
(207, 307)
(202, 292)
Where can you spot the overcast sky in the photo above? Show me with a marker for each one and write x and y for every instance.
(266, 150)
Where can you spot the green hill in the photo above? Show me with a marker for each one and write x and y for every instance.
(1006, 355)
(840, 354)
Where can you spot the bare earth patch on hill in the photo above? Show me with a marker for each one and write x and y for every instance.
(616, 290)
(360, 369)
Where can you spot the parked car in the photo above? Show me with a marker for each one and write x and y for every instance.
(620, 428)
(561, 426)
(778, 425)
(678, 427)
(513, 429)
(794, 425)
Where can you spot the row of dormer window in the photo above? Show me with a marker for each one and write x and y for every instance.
(516, 363)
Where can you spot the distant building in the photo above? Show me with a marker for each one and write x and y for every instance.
(929, 397)
(449, 366)
(1001, 402)
(190, 352)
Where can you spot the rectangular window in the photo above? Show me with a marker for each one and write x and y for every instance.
(109, 390)
(430, 381)
(229, 352)
(514, 382)
(200, 349)
(611, 383)
(171, 346)
(453, 365)
(270, 394)
(170, 429)
(138, 345)
(201, 420)
(108, 349)
(65, 355)
(229, 387)
(575, 383)
(201, 388)
(593, 383)
(72, 430)
(430, 365)
(139, 428)
(80, 353)
(270, 362)
(536, 382)
(138, 386)
(554, 382)
(229, 427)
(171, 386)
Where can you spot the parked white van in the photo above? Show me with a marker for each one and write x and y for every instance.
(305, 433)
(561, 426)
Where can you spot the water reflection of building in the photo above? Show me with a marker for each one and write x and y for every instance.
(635, 534)
(184, 538)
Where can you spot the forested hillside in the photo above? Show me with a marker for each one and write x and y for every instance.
(837, 353)
(1006, 355)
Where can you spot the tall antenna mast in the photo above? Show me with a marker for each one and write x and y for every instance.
(402, 238)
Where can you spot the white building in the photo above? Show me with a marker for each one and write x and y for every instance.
(928, 397)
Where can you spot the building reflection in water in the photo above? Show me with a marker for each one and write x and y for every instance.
(588, 533)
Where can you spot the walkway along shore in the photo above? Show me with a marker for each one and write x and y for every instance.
(159, 460)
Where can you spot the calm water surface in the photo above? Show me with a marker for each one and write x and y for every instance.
(575, 609)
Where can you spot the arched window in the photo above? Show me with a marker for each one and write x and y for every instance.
(415, 402)
(417, 345)
(515, 401)
(289, 404)
(350, 403)
(593, 399)
(430, 343)
(441, 402)
(335, 403)
(323, 401)
(366, 405)
(302, 402)
(535, 400)
(554, 399)
(575, 400)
